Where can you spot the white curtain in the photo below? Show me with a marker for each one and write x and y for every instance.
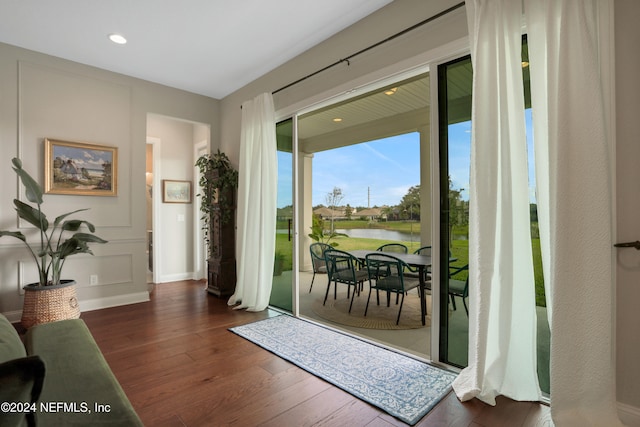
(502, 317)
(573, 176)
(257, 199)
(573, 170)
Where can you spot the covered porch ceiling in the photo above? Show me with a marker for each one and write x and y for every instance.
(392, 110)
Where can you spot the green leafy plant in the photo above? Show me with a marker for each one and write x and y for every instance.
(320, 234)
(218, 181)
(54, 247)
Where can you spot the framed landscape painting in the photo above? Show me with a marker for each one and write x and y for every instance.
(176, 191)
(80, 169)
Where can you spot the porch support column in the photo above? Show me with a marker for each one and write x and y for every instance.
(305, 203)
(425, 186)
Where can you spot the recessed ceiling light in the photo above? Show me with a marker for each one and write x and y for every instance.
(337, 120)
(390, 91)
(117, 38)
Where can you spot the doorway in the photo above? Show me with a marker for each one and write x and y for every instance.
(174, 243)
(152, 174)
(364, 178)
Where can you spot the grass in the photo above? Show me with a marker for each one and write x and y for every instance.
(459, 249)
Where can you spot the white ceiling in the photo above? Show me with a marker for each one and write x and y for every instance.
(209, 47)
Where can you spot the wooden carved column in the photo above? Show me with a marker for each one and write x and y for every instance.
(222, 251)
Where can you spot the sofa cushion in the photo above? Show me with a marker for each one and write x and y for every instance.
(11, 346)
(78, 375)
(20, 386)
(21, 378)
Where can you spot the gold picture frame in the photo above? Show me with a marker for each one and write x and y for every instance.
(80, 169)
(174, 191)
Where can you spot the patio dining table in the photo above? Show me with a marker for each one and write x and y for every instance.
(421, 262)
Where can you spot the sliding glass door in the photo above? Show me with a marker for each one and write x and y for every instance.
(454, 107)
(364, 171)
(283, 277)
(455, 80)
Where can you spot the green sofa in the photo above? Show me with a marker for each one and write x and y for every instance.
(58, 377)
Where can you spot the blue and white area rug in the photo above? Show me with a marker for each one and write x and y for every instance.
(399, 385)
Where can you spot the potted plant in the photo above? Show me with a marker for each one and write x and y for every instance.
(51, 298)
(322, 235)
(218, 181)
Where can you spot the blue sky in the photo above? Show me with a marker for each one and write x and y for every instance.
(82, 157)
(387, 168)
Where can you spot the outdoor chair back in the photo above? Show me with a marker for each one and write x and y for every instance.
(458, 287)
(342, 267)
(386, 273)
(317, 259)
(393, 247)
(412, 272)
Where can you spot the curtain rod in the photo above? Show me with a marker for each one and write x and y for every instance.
(406, 30)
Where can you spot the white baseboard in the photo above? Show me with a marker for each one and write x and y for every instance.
(94, 304)
(106, 302)
(166, 278)
(629, 415)
(13, 316)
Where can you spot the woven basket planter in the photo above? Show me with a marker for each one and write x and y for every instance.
(44, 304)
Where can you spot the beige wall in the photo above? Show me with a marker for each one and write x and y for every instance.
(42, 96)
(373, 65)
(627, 34)
(363, 69)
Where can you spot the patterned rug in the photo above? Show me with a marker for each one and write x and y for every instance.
(378, 316)
(399, 385)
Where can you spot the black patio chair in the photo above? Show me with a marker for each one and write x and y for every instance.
(393, 247)
(458, 287)
(412, 272)
(317, 259)
(386, 273)
(342, 267)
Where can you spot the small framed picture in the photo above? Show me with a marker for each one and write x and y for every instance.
(81, 169)
(176, 191)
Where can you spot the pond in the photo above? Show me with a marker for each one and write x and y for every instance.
(382, 234)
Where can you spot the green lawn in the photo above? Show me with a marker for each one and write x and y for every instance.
(460, 248)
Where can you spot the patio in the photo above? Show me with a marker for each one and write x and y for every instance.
(413, 341)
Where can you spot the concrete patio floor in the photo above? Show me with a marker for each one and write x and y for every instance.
(414, 342)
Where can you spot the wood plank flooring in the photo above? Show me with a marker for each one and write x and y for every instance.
(180, 366)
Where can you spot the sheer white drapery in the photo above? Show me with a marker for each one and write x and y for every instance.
(257, 200)
(502, 317)
(574, 181)
(573, 177)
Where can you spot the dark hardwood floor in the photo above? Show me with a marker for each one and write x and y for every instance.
(180, 366)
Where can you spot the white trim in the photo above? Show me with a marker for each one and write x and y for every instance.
(295, 297)
(199, 246)
(434, 348)
(94, 304)
(629, 415)
(156, 206)
(177, 277)
(13, 316)
(114, 301)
